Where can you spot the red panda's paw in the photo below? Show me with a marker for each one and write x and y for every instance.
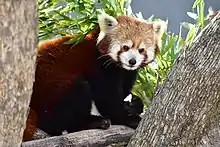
(105, 124)
(99, 122)
(133, 105)
(133, 121)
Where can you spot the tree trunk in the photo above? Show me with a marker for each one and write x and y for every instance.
(211, 139)
(18, 46)
(188, 103)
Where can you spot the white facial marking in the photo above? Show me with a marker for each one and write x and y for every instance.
(156, 26)
(114, 49)
(126, 56)
(142, 45)
(100, 37)
(128, 43)
(159, 29)
(150, 55)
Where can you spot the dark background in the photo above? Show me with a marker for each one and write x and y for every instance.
(174, 10)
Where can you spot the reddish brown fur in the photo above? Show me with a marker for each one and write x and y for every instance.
(132, 29)
(136, 43)
(67, 63)
(30, 126)
(74, 63)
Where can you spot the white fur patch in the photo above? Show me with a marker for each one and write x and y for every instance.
(114, 49)
(94, 110)
(159, 28)
(126, 56)
(128, 98)
(128, 43)
(142, 45)
(100, 37)
(64, 132)
(107, 24)
(150, 55)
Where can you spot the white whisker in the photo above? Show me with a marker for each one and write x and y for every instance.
(102, 56)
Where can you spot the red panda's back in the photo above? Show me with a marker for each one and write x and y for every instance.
(58, 65)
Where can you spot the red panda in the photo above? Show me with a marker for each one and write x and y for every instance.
(101, 69)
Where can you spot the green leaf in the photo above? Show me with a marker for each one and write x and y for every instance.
(100, 5)
(201, 14)
(196, 3)
(190, 35)
(64, 16)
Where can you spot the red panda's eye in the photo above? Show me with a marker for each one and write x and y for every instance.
(125, 47)
(141, 50)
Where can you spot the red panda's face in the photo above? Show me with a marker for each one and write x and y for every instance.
(129, 41)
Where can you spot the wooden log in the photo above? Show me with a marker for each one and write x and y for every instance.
(116, 135)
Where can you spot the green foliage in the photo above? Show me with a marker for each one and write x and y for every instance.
(63, 17)
(198, 15)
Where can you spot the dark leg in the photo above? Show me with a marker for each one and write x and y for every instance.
(69, 112)
(135, 107)
(109, 91)
(80, 104)
(117, 113)
(109, 102)
(97, 122)
(128, 81)
(72, 112)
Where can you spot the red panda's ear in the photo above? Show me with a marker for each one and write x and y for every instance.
(106, 22)
(159, 28)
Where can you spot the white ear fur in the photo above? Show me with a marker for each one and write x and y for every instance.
(159, 28)
(106, 23)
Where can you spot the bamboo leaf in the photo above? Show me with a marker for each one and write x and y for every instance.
(196, 3)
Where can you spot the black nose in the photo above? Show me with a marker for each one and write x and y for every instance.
(132, 61)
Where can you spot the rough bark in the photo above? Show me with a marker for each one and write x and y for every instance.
(188, 103)
(211, 139)
(114, 136)
(18, 46)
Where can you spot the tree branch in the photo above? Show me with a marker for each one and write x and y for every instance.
(114, 136)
